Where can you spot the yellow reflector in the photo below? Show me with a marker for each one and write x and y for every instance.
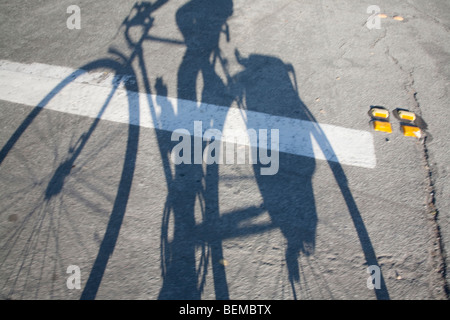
(223, 262)
(411, 131)
(407, 115)
(382, 126)
(380, 113)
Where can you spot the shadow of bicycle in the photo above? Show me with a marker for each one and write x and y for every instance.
(265, 85)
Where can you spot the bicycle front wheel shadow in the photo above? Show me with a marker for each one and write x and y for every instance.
(65, 177)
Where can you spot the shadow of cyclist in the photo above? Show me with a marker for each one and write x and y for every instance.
(264, 86)
(201, 23)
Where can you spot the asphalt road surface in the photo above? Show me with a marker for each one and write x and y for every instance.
(94, 205)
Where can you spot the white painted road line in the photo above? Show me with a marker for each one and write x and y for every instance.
(31, 84)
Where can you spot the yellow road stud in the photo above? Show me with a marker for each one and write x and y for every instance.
(223, 262)
(407, 115)
(411, 131)
(382, 126)
(380, 113)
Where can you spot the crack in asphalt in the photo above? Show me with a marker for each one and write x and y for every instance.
(434, 19)
(433, 213)
(438, 252)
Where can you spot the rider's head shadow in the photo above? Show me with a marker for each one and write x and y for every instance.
(202, 22)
